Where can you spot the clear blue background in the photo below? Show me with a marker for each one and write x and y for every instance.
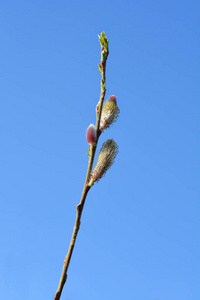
(139, 237)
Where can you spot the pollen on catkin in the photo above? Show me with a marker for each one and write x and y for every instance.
(109, 113)
(105, 160)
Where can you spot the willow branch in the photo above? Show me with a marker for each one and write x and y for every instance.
(86, 188)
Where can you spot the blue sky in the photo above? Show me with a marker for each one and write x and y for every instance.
(139, 236)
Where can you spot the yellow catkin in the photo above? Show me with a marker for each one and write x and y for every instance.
(109, 114)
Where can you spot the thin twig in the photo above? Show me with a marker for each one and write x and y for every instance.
(86, 188)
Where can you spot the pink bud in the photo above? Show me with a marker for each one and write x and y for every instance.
(91, 134)
(112, 99)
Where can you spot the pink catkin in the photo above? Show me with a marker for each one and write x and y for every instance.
(91, 134)
(112, 99)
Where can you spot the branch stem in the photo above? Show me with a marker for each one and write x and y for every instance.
(86, 188)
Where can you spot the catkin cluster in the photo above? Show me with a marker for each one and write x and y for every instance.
(109, 150)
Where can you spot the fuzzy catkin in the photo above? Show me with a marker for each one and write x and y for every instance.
(109, 113)
(105, 160)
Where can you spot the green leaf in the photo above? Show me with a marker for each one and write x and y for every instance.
(103, 40)
(100, 68)
(89, 152)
